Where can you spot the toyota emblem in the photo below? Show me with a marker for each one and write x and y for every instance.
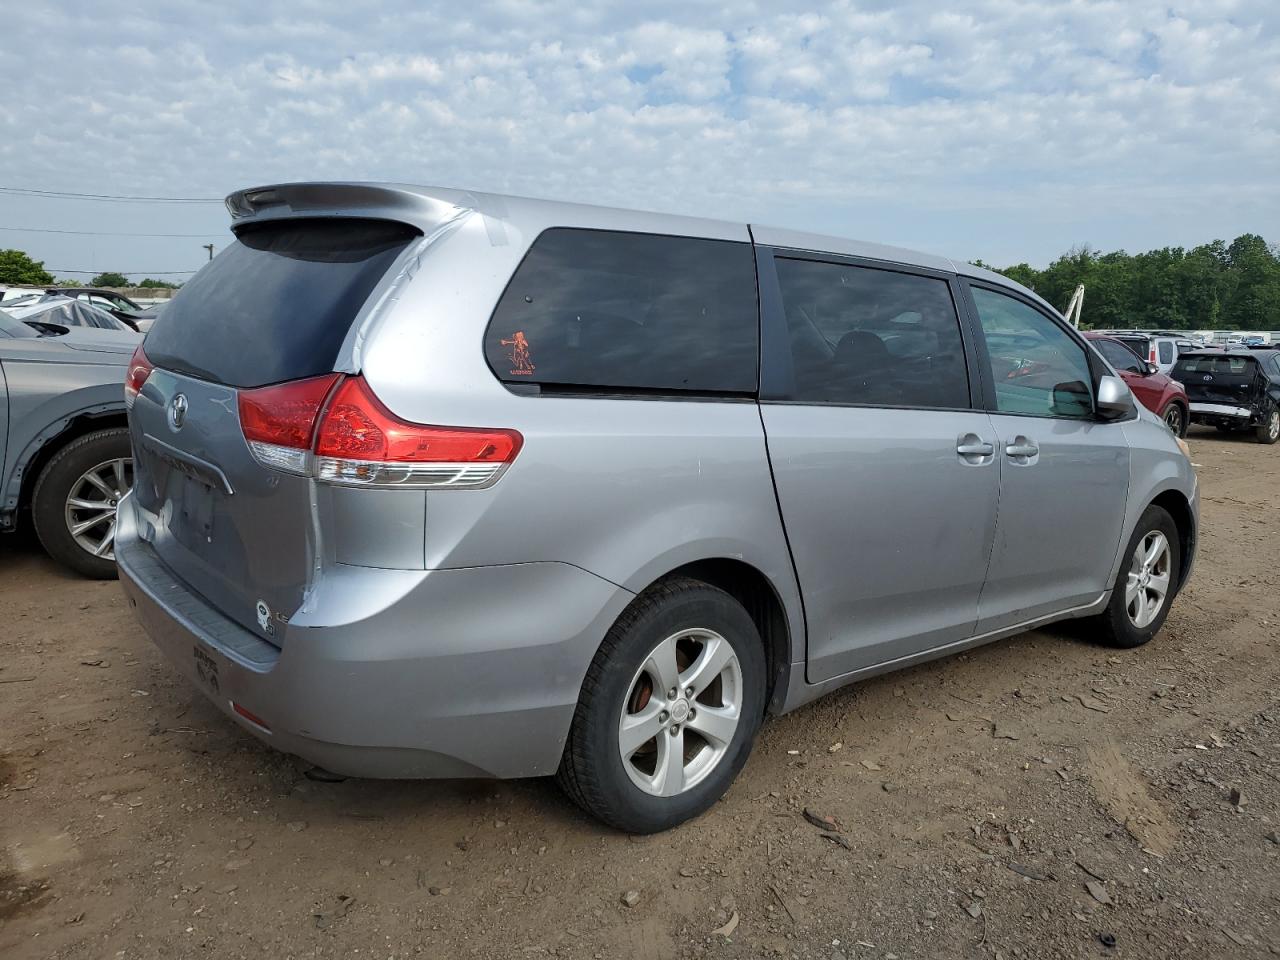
(1208, 376)
(178, 411)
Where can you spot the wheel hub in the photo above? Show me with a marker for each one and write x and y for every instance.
(680, 711)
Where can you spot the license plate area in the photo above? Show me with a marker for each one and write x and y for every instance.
(206, 669)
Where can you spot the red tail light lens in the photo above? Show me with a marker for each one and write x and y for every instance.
(357, 426)
(285, 415)
(357, 441)
(139, 369)
(279, 422)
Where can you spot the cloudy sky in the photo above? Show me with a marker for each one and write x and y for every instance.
(1002, 129)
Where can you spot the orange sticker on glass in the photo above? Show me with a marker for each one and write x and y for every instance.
(521, 361)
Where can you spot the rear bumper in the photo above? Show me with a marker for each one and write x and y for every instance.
(1215, 411)
(464, 673)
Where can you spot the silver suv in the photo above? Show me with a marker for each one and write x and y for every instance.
(442, 484)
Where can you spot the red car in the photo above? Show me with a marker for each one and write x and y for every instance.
(1161, 395)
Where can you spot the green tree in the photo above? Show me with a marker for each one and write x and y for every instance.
(150, 284)
(17, 267)
(1232, 286)
(110, 279)
(65, 282)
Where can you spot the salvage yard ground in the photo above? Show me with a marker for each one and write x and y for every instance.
(1040, 797)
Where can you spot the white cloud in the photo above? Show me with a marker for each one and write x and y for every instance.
(946, 125)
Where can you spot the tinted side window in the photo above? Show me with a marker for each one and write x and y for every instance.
(865, 336)
(1166, 351)
(1118, 355)
(1037, 367)
(603, 309)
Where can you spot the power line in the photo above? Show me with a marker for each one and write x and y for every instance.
(93, 233)
(115, 198)
(145, 273)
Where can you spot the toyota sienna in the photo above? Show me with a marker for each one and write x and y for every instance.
(431, 483)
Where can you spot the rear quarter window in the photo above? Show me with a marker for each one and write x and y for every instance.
(607, 311)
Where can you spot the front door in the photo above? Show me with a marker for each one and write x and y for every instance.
(1064, 474)
(886, 474)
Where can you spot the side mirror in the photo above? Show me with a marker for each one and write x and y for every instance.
(1115, 402)
(1152, 368)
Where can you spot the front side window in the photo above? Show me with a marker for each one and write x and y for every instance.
(1038, 369)
(1119, 356)
(861, 335)
(598, 309)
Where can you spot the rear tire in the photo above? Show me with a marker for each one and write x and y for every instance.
(627, 694)
(1152, 562)
(1269, 430)
(64, 482)
(1175, 418)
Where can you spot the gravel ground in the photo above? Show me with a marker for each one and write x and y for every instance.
(1040, 797)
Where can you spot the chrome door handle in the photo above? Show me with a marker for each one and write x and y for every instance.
(973, 450)
(1021, 447)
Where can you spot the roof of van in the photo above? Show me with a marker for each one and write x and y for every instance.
(431, 207)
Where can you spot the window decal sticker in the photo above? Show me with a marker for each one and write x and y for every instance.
(521, 361)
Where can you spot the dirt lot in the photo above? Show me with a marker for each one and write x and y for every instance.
(1030, 799)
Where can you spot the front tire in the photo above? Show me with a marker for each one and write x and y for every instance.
(75, 499)
(1269, 430)
(1147, 583)
(669, 709)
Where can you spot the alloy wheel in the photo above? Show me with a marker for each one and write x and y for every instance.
(681, 712)
(92, 503)
(1273, 425)
(1173, 419)
(1147, 583)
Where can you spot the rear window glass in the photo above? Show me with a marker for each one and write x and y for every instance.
(276, 304)
(1166, 351)
(604, 310)
(1215, 365)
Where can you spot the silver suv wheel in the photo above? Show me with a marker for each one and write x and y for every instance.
(1148, 581)
(681, 712)
(92, 502)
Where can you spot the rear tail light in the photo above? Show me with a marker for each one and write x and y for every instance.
(337, 430)
(280, 422)
(1151, 355)
(139, 369)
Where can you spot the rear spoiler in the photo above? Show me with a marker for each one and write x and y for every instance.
(423, 207)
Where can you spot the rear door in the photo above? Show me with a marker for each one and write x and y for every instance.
(274, 307)
(1064, 474)
(884, 470)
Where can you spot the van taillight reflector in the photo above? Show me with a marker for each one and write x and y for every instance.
(139, 369)
(1151, 357)
(337, 430)
(251, 717)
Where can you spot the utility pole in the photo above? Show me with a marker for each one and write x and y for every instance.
(209, 247)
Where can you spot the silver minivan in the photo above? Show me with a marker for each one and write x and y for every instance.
(432, 483)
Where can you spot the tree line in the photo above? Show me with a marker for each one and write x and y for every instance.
(1216, 286)
(16, 266)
